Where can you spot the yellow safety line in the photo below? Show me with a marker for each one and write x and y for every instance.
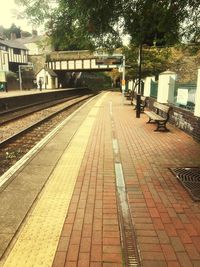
(38, 239)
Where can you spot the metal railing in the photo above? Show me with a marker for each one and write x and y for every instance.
(154, 89)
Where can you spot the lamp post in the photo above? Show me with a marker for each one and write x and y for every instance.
(139, 82)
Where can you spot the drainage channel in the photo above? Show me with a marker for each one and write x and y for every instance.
(127, 231)
(128, 238)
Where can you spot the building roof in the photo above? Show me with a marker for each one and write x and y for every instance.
(51, 72)
(13, 44)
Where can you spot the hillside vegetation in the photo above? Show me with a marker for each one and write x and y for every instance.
(182, 59)
(185, 61)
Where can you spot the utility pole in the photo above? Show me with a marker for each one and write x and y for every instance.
(45, 75)
(139, 82)
(20, 77)
(139, 68)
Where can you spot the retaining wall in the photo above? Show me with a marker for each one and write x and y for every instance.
(183, 119)
(13, 102)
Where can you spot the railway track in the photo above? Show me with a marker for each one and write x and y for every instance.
(13, 114)
(16, 146)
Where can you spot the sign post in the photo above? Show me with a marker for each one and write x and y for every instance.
(20, 77)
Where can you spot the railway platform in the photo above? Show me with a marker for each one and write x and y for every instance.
(99, 191)
(12, 93)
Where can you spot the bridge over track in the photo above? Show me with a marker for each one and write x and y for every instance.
(82, 61)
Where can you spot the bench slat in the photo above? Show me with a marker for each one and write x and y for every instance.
(154, 116)
(161, 107)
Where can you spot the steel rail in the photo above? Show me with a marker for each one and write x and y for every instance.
(30, 109)
(30, 127)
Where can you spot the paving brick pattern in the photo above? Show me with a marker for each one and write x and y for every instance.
(166, 220)
(90, 235)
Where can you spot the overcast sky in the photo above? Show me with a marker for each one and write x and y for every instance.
(8, 15)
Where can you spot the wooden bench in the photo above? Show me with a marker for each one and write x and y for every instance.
(143, 102)
(159, 116)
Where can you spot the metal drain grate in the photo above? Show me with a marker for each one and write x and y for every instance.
(190, 179)
(129, 244)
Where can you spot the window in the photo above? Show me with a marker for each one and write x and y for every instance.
(3, 47)
(17, 51)
(184, 95)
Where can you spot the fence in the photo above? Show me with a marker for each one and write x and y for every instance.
(154, 89)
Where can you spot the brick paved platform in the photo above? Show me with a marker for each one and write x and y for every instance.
(165, 219)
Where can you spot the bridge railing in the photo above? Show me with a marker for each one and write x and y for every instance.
(67, 55)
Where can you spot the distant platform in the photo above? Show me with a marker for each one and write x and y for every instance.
(29, 92)
(15, 99)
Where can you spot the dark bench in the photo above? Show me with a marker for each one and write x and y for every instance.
(127, 94)
(159, 115)
(143, 102)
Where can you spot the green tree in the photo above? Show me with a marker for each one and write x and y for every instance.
(77, 24)
(13, 29)
(37, 11)
(26, 34)
(6, 32)
(66, 33)
(101, 22)
(192, 31)
(154, 22)
(155, 60)
(90, 24)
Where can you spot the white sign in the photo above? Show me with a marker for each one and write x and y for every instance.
(120, 69)
(182, 96)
